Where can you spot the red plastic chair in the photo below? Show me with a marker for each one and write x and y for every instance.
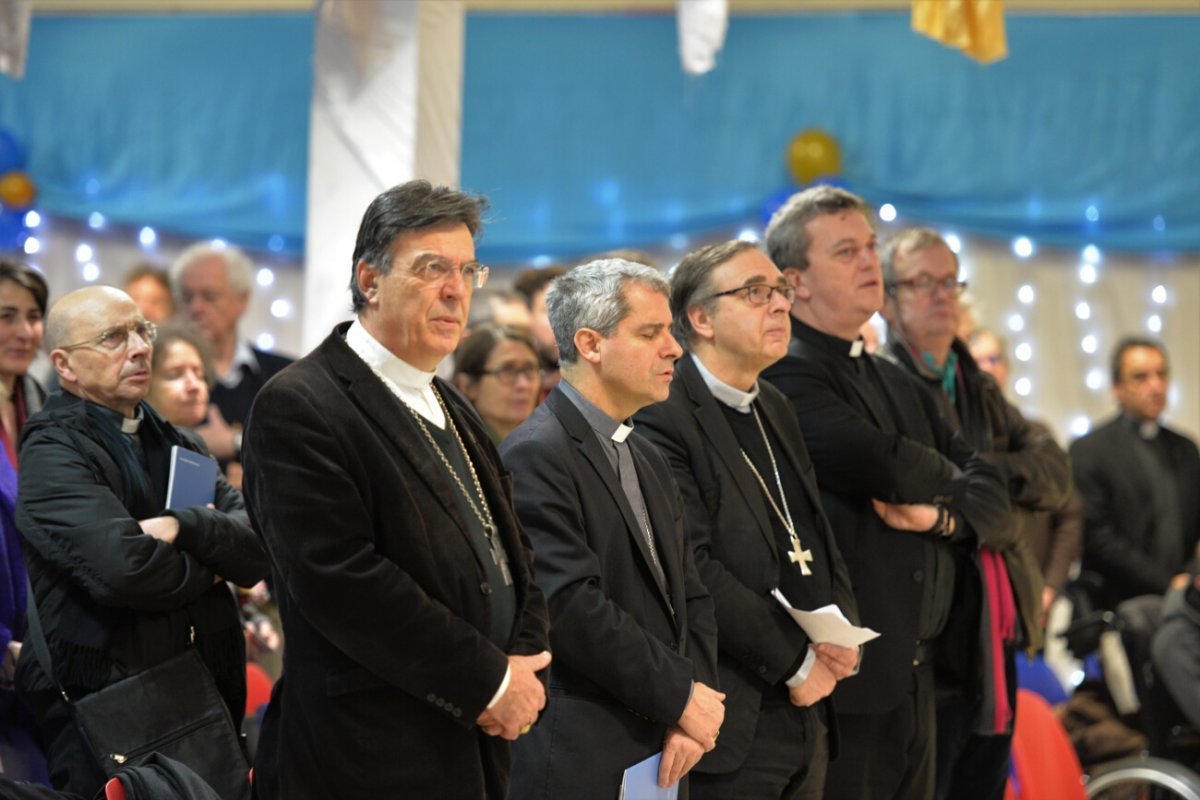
(1044, 763)
(258, 689)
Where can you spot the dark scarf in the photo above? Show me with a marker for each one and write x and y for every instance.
(83, 660)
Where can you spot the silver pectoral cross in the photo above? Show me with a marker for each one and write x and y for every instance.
(801, 557)
(499, 557)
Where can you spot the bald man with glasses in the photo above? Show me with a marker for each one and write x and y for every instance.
(121, 584)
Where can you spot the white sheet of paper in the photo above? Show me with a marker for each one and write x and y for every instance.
(827, 624)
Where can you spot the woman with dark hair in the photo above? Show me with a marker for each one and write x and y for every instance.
(496, 367)
(180, 373)
(23, 300)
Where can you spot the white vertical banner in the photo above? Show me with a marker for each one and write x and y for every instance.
(702, 25)
(387, 108)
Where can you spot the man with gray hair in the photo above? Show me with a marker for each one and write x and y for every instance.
(755, 523)
(1001, 577)
(212, 286)
(631, 624)
(905, 493)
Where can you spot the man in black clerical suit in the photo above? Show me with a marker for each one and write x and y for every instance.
(1139, 480)
(755, 521)
(631, 623)
(414, 630)
(921, 283)
(904, 492)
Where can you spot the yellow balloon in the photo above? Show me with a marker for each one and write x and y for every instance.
(813, 154)
(17, 190)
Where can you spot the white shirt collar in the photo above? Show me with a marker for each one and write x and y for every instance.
(412, 385)
(243, 356)
(735, 398)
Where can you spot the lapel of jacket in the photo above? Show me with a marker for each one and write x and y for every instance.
(577, 426)
(395, 421)
(715, 428)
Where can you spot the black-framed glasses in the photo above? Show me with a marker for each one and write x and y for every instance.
(508, 375)
(759, 294)
(116, 338)
(439, 270)
(924, 284)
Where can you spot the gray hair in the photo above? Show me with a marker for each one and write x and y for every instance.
(787, 234)
(239, 268)
(908, 241)
(593, 296)
(691, 283)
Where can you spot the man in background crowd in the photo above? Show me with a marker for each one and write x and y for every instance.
(532, 284)
(906, 495)
(212, 285)
(922, 287)
(1139, 480)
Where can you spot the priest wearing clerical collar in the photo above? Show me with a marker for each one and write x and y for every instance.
(755, 522)
(922, 310)
(903, 491)
(1138, 480)
(631, 623)
(121, 584)
(415, 634)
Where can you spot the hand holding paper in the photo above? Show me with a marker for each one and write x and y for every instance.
(828, 624)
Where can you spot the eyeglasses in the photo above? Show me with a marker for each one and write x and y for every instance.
(927, 285)
(759, 294)
(508, 375)
(437, 270)
(117, 338)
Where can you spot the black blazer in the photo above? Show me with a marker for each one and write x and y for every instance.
(896, 447)
(384, 603)
(729, 523)
(1119, 520)
(626, 649)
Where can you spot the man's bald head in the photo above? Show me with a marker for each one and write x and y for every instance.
(81, 305)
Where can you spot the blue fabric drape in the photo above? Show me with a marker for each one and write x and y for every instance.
(195, 124)
(586, 134)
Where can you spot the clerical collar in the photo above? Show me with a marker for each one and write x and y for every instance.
(128, 425)
(411, 384)
(843, 347)
(733, 397)
(1147, 429)
(605, 426)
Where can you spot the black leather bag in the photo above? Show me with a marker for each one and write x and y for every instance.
(172, 708)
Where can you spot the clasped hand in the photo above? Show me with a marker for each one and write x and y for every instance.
(521, 702)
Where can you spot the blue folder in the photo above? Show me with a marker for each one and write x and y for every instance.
(193, 479)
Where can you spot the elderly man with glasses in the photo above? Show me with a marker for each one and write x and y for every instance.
(121, 584)
(415, 633)
(922, 288)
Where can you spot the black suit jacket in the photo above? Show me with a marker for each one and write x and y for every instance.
(1119, 521)
(626, 649)
(235, 403)
(729, 523)
(384, 603)
(897, 448)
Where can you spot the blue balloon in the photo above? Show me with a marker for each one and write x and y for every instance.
(12, 229)
(11, 155)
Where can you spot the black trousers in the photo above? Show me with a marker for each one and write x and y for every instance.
(787, 760)
(968, 764)
(888, 756)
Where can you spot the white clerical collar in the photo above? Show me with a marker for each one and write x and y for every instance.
(601, 423)
(856, 347)
(731, 396)
(131, 426)
(1148, 429)
(412, 385)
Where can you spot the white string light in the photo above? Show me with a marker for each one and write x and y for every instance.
(265, 277)
(1016, 323)
(1087, 273)
(90, 272)
(744, 235)
(1083, 310)
(1026, 294)
(96, 220)
(32, 245)
(1091, 254)
(32, 219)
(1023, 387)
(84, 253)
(887, 212)
(1023, 351)
(1095, 379)
(1080, 425)
(1154, 323)
(265, 341)
(280, 308)
(147, 236)
(1088, 344)
(953, 242)
(1159, 294)
(1022, 247)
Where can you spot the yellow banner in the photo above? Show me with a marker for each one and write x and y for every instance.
(975, 27)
